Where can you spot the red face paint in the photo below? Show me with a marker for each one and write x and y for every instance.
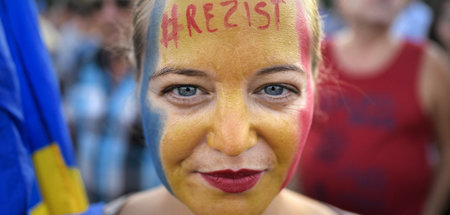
(259, 9)
(191, 10)
(230, 12)
(172, 22)
(305, 114)
(277, 11)
(247, 12)
(208, 16)
(305, 117)
(171, 26)
(303, 37)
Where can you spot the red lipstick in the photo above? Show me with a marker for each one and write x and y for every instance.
(233, 181)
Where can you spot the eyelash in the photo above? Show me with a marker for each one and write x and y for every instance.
(278, 99)
(172, 87)
(183, 100)
(196, 98)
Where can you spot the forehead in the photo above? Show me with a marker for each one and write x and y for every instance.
(229, 37)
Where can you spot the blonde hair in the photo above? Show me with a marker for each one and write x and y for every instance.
(145, 7)
(313, 18)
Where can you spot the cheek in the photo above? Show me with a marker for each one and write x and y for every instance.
(152, 122)
(180, 136)
(304, 120)
(304, 116)
(286, 135)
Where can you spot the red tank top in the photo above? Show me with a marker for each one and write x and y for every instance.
(367, 150)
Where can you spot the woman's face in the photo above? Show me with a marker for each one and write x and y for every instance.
(227, 100)
(373, 12)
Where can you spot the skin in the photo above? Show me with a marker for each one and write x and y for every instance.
(230, 120)
(376, 12)
(434, 88)
(443, 25)
(159, 201)
(359, 50)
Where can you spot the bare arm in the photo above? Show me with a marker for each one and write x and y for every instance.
(436, 96)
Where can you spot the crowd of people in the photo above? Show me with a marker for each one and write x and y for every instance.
(91, 54)
(380, 138)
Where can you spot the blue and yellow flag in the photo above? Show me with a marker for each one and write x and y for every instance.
(38, 173)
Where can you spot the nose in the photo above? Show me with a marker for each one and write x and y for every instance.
(231, 132)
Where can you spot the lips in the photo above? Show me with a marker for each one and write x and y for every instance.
(233, 181)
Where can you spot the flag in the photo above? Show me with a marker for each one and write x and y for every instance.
(38, 174)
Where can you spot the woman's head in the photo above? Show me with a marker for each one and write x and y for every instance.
(227, 96)
(371, 12)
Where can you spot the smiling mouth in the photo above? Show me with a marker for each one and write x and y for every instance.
(231, 181)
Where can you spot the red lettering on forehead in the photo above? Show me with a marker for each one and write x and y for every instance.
(208, 16)
(277, 11)
(170, 26)
(259, 9)
(230, 12)
(304, 39)
(173, 23)
(247, 11)
(190, 17)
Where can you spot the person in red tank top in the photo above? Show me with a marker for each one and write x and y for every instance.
(383, 104)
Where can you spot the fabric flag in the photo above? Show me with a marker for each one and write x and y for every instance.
(38, 174)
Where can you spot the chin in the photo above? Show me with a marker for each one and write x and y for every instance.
(229, 207)
(203, 199)
(377, 20)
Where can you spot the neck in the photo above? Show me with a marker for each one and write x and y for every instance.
(292, 203)
(366, 36)
(365, 49)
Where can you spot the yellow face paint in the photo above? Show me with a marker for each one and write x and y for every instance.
(230, 83)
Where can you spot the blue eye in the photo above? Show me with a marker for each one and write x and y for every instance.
(274, 90)
(186, 91)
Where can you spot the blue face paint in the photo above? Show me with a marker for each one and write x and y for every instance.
(151, 119)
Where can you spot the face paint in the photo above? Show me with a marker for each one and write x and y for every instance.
(151, 119)
(305, 114)
(230, 84)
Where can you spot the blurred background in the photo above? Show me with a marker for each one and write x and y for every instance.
(418, 21)
(89, 41)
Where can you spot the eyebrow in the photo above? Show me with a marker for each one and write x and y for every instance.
(198, 73)
(280, 68)
(171, 70)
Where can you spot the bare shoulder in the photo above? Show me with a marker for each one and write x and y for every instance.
(138, 203)
(154, 201)
(160, 201)
(295, 203)
(437, 54)
(435, 76)
(436, 61)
